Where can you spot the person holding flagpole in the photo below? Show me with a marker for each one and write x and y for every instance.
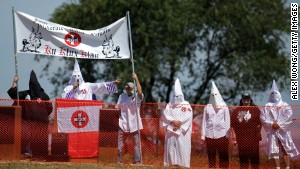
(129, 122)
(177, 121)
(36, 108)
(276, 118)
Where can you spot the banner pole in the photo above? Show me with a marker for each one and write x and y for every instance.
(135, 94)
(15, 52)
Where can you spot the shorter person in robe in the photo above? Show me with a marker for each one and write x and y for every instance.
(276, 118)
(216, 129)
(177, 120)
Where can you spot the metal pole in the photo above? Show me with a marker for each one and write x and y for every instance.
(132, 63)
(15, 52)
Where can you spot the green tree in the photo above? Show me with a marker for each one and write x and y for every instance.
(237, 43)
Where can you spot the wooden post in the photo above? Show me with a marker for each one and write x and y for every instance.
(10, 143)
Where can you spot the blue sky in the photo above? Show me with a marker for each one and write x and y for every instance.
(38, 8)
(43, 9)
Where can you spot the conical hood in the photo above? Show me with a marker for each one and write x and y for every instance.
(275, 95)
(178, 95)
(76, 75)
(36, 90)
(215, 97)
(177, 88)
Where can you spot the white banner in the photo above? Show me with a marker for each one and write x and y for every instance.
(38, 36)
(78, 119)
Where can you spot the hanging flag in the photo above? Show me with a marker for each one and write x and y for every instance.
(78, 119)
(81, 120)
(38, 36)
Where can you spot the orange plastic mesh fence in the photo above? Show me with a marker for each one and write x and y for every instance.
(44, 140)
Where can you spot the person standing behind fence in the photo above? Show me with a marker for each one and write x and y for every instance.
(177, 120)
(246, 127)
(81, 90)
(128, 125)
(216, 129)
(276, 118)
(34, 135)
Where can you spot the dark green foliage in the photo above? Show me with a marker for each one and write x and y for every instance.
(240, 44)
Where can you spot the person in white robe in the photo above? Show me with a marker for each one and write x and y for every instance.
(216, 129)
(177, 120)
(80, 90)
(276, 118)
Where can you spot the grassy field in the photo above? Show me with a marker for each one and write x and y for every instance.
(149, 161)
(200, 163)
(52, 165)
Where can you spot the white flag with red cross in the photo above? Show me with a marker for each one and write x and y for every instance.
(80, 119)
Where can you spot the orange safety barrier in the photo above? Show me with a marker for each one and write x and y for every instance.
(13, 132)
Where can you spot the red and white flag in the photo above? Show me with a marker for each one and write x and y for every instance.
(81, 120)
(78, 119)
(38, 36)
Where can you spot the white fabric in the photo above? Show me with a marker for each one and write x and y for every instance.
(275, 96)
(86, 90)
(177, 94)
(38, 36)
(282, 113)
(76, 75)
(178, 143)
(215, 123)
(128, 117)
(78, 119)
(177, 88)
(215, 97)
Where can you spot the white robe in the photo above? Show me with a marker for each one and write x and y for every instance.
(178, 143)
(282, 112)
(86, 90)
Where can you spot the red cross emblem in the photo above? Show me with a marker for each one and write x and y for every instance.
(80, 119)
(73, 39)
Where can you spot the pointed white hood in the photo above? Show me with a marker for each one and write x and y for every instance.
(274, 96)
(215, 97)
(76, 75)
(178, 95)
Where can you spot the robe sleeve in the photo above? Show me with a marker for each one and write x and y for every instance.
(284, 119)
(227, 122)
(68, 93)
(186, 118)
(12, 92)
(104, 88)
(265, 120)
(203, 128)
(166, 117)
(118, 106)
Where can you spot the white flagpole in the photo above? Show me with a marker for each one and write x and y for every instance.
(132, 63)
(15, 51)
